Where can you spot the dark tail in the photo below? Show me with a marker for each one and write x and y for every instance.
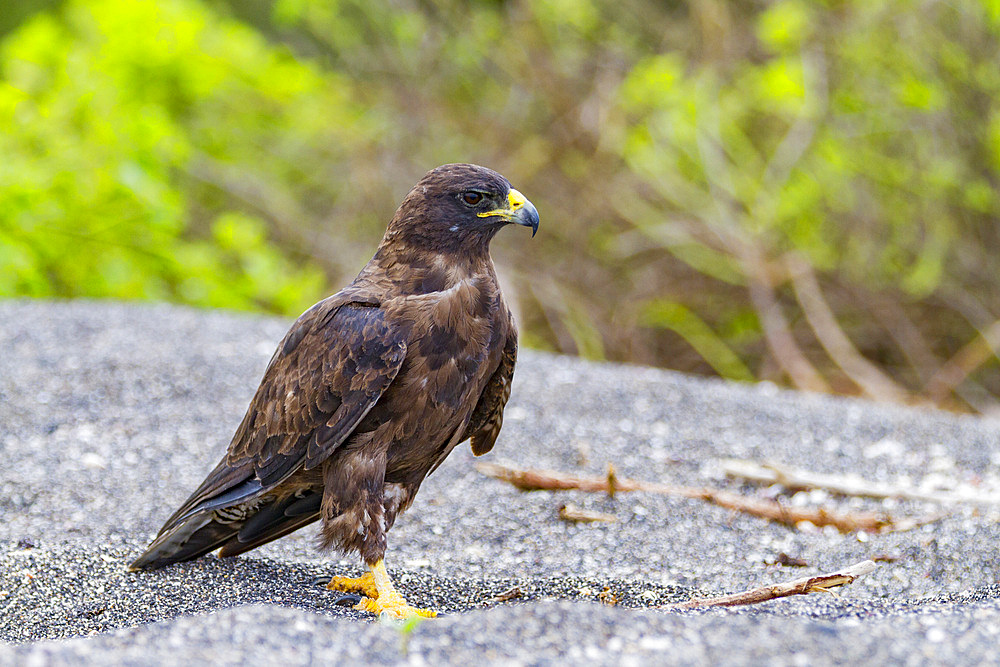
(274, 521)
(192, 538)
(209, 529)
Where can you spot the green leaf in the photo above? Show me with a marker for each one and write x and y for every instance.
(682, 321)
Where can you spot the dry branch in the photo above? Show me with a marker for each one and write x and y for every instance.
(792, 478)
(820, 583)
(550, 480)
(574, 514)
(777, 331)
(831, 336)
(510, 594)
(966, 361)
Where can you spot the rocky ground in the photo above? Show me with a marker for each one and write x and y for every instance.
(111, 413)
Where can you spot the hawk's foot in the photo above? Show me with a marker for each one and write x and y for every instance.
(364, 585)
(380, 595)
(394, 605)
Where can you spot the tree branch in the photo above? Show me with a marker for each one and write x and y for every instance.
(842, 351)
(777, 333)
(971, 356)
(550, 480)
(792, 478)
(820, 583)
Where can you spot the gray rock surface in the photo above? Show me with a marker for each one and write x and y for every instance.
(111, 413)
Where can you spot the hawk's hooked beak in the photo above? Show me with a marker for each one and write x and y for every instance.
(520, 211)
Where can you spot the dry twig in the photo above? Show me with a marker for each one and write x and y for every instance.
(785, 560)
(550, 480)
(821, 583)
(777, 331)
(570, 512)
(831, 336)
(965, 362)
(792, 478)
(509, 594)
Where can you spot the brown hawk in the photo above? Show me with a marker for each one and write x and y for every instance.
(370, 390)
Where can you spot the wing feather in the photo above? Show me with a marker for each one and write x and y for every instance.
(487, 417)
(327, 373)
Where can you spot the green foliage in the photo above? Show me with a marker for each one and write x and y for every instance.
(693, 329)
(404, 628)
(113, 102)
(715, 178)
(853, 139)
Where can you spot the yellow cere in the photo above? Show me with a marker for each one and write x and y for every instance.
(514, 198)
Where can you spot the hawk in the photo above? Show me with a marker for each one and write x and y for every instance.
(370, 390)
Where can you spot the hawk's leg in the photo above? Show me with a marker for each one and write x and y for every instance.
(380, 594)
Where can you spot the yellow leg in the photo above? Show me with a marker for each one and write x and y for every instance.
(384, 598)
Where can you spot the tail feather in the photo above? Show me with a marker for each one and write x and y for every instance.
(205, 521)
(190, 539)
(202, 532)
(274, 521)
(235, 546)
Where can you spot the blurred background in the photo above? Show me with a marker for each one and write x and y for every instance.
(800, 191)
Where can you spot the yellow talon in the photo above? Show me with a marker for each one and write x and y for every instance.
(393, 605)
(380, 595)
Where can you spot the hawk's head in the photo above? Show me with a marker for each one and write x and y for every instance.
(461, 205)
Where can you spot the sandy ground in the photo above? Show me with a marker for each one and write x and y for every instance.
(111, 413)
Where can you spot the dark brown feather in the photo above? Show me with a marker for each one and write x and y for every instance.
(370, 389)
(487, 418)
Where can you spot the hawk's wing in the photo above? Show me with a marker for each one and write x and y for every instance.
(327, 373)
(487, 418)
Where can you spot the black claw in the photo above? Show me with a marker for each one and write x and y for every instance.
(347, 600)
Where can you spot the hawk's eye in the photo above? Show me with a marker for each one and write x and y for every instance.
(472, 198)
